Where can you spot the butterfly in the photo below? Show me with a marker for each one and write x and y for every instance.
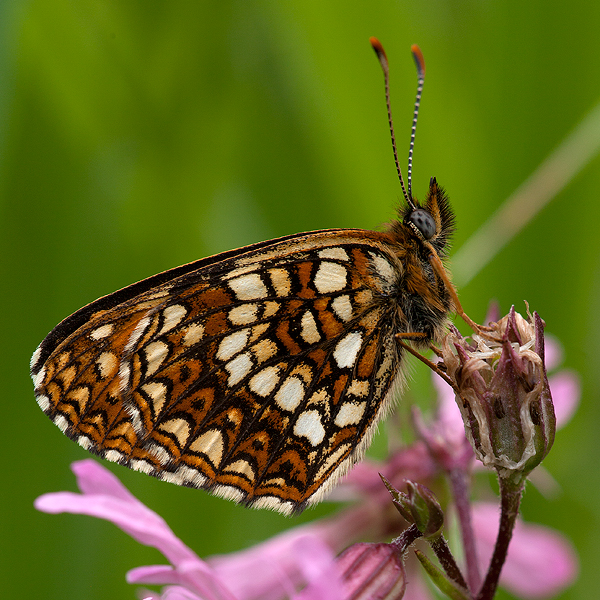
(259, 374)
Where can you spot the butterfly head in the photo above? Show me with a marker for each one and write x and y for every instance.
(433, 221)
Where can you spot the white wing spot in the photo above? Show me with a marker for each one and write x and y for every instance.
(350, 413)
(242, 467)
(384, 269)
(342, 307)
(309, 426)
(136, 419)
(264, 382)
(238, 368)
(142, 465)
(85, 442)
(309, 332)
(232, 344)
(244, 314)
(193, 334)
(156, 352)
(185, 473)
(347, 349)
(161, 454)
(264, 350)
(280, 280)
(273, 503)
(228, 492)
(335, 253)
(248, 287)
(290, 394)
(102, 332)
(158, 394)
(358, 388)
(211, 444)
(172, 315)
(180, 428)
(107, 364)
(330, 277)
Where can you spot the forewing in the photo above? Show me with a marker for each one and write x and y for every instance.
(259, 376)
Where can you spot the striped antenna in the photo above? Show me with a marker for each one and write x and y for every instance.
(420, 62)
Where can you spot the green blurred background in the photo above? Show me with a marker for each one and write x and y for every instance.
(139, 135)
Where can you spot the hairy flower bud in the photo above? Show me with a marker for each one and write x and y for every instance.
(419, 506)
(504, 395)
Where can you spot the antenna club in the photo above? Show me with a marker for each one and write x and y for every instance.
(419, 60)
(377, 47)
(381, 55)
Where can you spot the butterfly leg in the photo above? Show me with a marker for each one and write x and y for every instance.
(400, 337)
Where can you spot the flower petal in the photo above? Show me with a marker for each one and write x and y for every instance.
(177, 592)
(566, 393)
(154, 575)
(316, 563)
(448, 413)
(285, 563)
(135, 519)
(93, 478)
(106, 498)
(553, 352)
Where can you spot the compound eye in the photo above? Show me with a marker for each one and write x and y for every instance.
(424, 222)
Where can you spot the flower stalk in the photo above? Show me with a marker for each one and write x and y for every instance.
(459, 482)
(509, 511)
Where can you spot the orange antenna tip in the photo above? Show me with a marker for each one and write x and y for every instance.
(377, 45)
(378, 49)
(419, 60)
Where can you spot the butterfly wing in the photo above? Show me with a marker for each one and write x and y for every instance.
(259, 374)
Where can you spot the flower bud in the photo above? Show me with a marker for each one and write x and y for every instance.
(504, 398)
(419, 506)
(372, 571)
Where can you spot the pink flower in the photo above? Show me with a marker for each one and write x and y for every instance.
(272, 570)
(540, 563)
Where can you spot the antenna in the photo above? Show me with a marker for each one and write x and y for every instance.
(420, 62)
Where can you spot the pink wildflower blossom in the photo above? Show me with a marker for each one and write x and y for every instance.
(188, 577)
